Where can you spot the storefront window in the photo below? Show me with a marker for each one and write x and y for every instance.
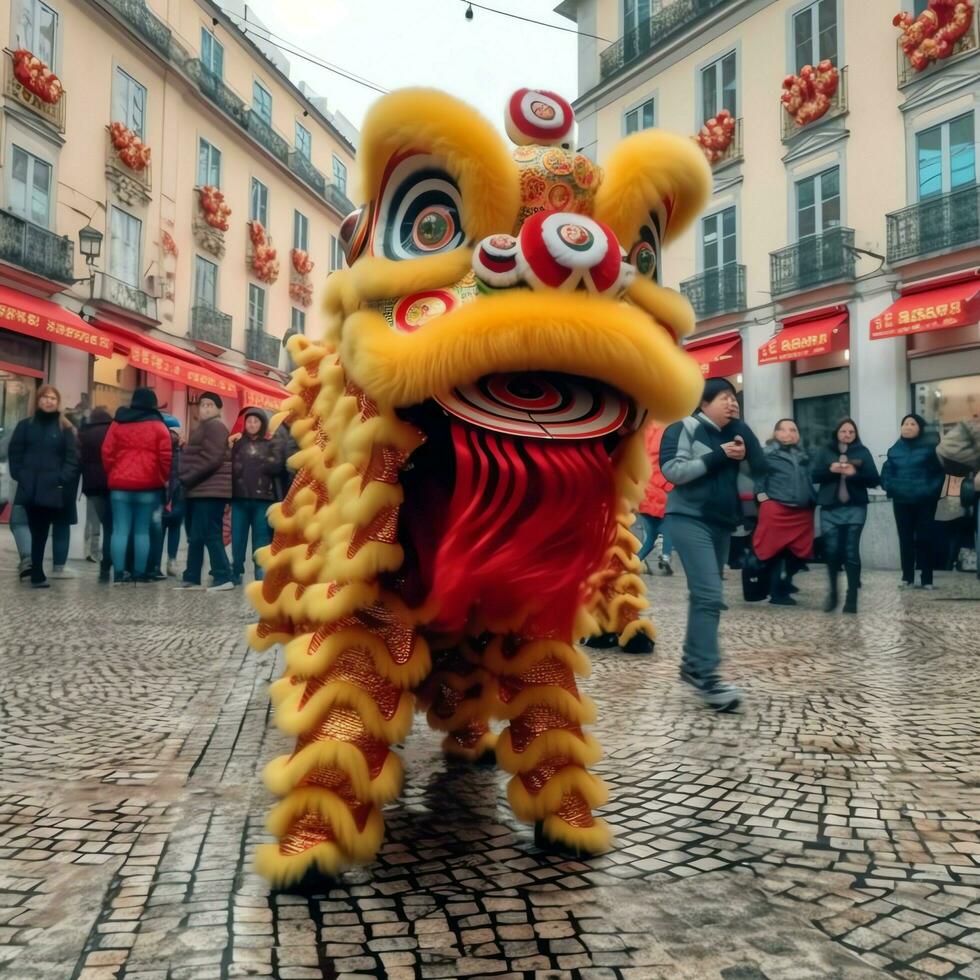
(16, 403)
(944, 403)
(113, 382)
(818, 416)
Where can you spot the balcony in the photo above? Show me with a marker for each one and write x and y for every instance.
(966, 45)
(838, 107)
(262, 347)
(36, 249)
(263, 133)
(52, 113)
(305, 170)
(109, 291)
(215, 90)
(716, 291)
(211, 326)
(338, 200)
(145, 23)
(673, 19)
(733, 152)
(937, 224)
(813, 261)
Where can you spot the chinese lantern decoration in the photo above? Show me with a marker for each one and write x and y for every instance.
(301, 292)
(213, 208)
(302, 262)
(716, 136)
(806, 97)
(932, 35)
(169, 245)
(264, 260)
(132, 151)
(36, 77)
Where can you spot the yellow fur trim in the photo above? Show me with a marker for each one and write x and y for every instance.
(586, 751)
(643, 626)
(452, 748)
(262, 643)
(283, 774)
(644, 171)
(596, 839)
(480, 708)
(581, 710)
(537, 806)
(472, 152)
(282, 870)
(522, 331)
(375, 278)
(357, 845)
(531, 653)
(664, 305)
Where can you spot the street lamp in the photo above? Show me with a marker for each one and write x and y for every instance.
(90, 244)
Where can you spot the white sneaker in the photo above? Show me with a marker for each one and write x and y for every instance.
(60, 571)
(224, 587)
(172, 569)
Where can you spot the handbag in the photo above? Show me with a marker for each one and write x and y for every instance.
(950, 506)
(755, 578)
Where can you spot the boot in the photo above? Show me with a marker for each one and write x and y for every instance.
(853, 584)
(832, 597)
(778, 595)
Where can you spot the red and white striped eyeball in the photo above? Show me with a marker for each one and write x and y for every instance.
(537, 117)
(496, 261)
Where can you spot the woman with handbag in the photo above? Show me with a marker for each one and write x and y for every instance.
(43, 460)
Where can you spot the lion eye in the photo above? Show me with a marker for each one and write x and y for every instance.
(645, 254)
(434, 228)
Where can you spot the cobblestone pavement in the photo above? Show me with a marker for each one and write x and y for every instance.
(830, 829)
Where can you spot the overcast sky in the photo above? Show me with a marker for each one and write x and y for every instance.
(396, 43)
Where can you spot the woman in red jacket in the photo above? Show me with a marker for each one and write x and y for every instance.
(651, 511)
(136, 455)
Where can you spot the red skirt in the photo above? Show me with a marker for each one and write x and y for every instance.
(783, 528)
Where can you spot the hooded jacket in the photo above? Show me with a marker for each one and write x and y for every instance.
(43, 457)
(787, 476)
(205, 462)
(912, 472)
(857, 485)
(91, 436)
(255, 463)
(137, 450)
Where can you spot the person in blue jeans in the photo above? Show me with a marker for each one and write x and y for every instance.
(701, 455)
(255, 463)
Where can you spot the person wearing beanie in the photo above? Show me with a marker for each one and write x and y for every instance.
(95, 486)
(136, 455)
(205, 473)
(701, 456)
(173, 511)
(913, 477)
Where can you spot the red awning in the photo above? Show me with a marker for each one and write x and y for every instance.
(939, 305)
(46, 320)
(719, 357)
(810, 335)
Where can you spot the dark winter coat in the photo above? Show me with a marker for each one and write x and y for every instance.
(205, 463)
(858, 485)
(90, 438)
(912, 472)
(286, 447)
(705, 479)
(137, 450)
(43, 457)
(255, 464)
(787, 476)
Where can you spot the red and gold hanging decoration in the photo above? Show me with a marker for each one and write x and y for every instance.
(36, 77)
(263, 258)
(213, 208)
(301, 292)
(932, 35)
(302, 262)
(130, 149)
(807, 96)
(716, 136)
(169, 245)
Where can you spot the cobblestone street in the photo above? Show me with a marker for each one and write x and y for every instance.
(828, 830)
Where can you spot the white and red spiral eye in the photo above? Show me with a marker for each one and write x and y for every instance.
(496, 261)
(535, 116)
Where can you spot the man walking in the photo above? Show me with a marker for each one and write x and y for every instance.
(205, 472)
(701, 456)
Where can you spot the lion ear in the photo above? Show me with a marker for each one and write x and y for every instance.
(656, 177)
(422, 130)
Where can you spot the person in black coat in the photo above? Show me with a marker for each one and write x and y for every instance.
(43, 459)
(844, 471)
(95, 485)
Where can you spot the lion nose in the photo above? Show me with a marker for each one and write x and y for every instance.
(555, 250)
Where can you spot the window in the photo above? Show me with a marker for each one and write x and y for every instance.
(339, 176)
(208, 165)
(301, 231)
(30, 187)
(818, 203)
(205, 283)
(336, 254)
(640, 118)
(718, 241)
(129, 102)
(815, 33)
(262, 102)
(304, 142)
(256, 307)
(297, 320)
(258, 207)
(212, 54)
(919, 7)
(946, 157)
(38, 30)
(719, 87)
(125, 236)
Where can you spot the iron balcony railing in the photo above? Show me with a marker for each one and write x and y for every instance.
(672, 19)
(260, 130)
(262, 347)
(145, 23)
(838, 107)
(936, 224)
(716, 291)
(813, 261)
(969, 42)
(338, 200)
(108, 289)
(214, 89)
(36, 249)
(301, 166)
(52, 113)
(210, 325)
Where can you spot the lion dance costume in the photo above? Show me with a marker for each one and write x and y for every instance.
(470, 454)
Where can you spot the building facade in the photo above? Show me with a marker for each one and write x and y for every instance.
(213, 189)
(835, 271)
